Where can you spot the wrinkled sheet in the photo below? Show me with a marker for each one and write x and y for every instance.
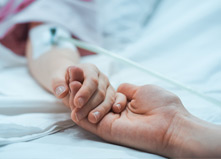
(181, 41)
(28, 119)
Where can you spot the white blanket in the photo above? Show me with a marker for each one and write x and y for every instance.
(36, 114)
(27, 111)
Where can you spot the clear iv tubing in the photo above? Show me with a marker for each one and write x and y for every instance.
(102, 51)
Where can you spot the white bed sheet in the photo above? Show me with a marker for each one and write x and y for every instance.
(182, 41)
(36, 116)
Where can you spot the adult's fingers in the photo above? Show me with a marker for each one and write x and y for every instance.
(128, 90)
(102, 128)
(120, 103)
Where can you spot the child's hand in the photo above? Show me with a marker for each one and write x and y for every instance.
(95, 110)
(89, 93)
(91, 85)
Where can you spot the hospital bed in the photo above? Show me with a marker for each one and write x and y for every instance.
(181, 41)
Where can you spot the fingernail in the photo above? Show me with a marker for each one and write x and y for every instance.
(80, 102)
(96, 115)
(59, 90)
(118, 106)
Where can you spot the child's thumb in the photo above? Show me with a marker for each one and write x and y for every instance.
(60, 89)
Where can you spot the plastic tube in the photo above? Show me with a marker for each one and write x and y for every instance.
(126, 61)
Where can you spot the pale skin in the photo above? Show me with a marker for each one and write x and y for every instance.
(155, 120)
(57, 68)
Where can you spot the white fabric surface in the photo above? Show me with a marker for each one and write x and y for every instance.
(36, 114)
(26, 111)
(79, 17)
(182, 41)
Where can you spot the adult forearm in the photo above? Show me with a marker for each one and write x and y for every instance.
(192, 137)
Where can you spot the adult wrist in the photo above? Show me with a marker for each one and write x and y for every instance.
(193, 137)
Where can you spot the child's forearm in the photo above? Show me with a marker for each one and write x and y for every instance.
(51, 65)
(82, 87)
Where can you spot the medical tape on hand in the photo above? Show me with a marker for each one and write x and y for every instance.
(45, 36)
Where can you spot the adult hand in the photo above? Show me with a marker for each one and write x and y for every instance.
(155, 121)
(146, 121)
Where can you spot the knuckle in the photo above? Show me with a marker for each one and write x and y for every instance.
(92, 66)
(112, 100)
(94, 80)
(174, 98)
(101, 94)
(105, 78)
(112, 95)
(150, 86)
(87, 93)
(102, 110)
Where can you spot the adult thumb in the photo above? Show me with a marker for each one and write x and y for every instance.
(128, 90)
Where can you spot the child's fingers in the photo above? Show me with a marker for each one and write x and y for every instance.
(90, 85)
(60, 88)
(101, 110)
(60, 85)
(97, 98)
(65, 100)
(120, 103)
(83, 112)
(84, 123)
(75, 74)
(96, 112)
(74, 87)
